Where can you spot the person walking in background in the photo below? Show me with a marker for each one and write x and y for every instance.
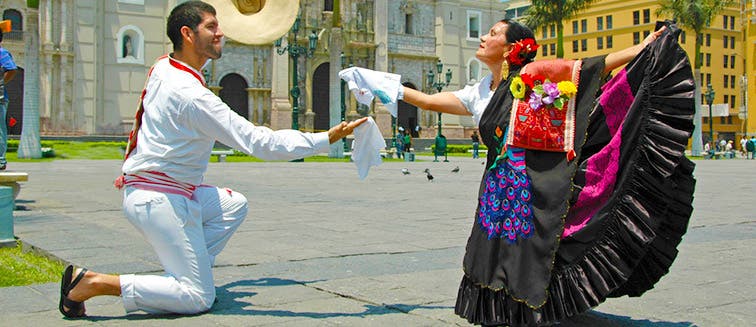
(751, 147)
(743, 141)
(400, 142)
(475, 143)
(8, 70)
(187, 222)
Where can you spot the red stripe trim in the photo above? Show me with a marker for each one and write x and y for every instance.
(178, 65)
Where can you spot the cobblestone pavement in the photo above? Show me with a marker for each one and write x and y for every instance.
(321, 247)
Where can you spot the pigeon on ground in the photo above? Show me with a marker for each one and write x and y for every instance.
(455, 170)
(405, 171)
(428, 175)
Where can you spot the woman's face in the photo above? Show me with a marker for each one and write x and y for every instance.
(493, 45)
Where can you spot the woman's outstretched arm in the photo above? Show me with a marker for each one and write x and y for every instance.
(445, 102)
(619, 58)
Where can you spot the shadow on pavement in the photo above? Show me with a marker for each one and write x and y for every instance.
(595, 319)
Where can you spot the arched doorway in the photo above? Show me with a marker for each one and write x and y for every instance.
(234, 93)
(15, 90)
(321, 82)
(407, 116)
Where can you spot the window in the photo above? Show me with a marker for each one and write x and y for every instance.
(545, 32)
(130, 45)
(584, 26)
(575, 47)
(732, 22)
(682, 37)
(645, 34)
(708, 40)
(636, 17)
(473, 24)
(599, 43)
(636, 37)
(545, 51)
(410, 30)
(732, 101)
(726, 99)
(732, 42)
(609, 22)
(17, 25)
(552, 30)
(708, 79)
(726, 82)
(732, 81)
(473, 70)
(721, 120)
(646, 16)
(600, 23)
(724, 21)
(552, 47)
(328, 5)
(726, 58)
(732, 61)
(574, 27)
(584, 45)
(725, 40)
(609, 41)
(729, 120)
(708, 59)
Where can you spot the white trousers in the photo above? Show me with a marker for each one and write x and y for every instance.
(186, 234)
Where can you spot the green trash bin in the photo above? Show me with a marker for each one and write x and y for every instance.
(7, 205)
(440, 148)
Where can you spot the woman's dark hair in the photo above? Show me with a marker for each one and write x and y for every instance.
(186, 14)
(518, 32)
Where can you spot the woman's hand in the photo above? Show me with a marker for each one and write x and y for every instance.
(340, 131)
(653, 36)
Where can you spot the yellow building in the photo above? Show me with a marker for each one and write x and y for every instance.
(611, 25)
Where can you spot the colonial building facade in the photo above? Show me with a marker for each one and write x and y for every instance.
(90, 59)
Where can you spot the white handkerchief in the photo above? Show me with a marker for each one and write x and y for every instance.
(366, 84)
(366, 149)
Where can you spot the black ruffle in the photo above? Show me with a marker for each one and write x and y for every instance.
(632, 241)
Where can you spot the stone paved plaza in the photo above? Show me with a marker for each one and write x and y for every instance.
(322, 248)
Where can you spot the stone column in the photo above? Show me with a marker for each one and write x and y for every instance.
(380, 27)
(280, 112)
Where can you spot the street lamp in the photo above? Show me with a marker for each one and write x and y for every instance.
(710, 99)
(438, 84)
(343, 100)
(295, 50)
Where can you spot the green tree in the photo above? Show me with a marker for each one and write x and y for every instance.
(543, 13)
(695, 15)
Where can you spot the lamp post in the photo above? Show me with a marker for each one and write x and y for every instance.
(439, 84)
(295, 50)
(343, 100)
(710, 99)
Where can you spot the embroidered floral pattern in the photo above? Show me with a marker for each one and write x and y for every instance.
(505, 207)
(541, 92)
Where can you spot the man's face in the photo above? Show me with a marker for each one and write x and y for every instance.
(208, 42)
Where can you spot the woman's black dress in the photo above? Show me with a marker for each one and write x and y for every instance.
(630, 184)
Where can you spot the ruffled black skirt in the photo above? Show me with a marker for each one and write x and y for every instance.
(630, 240)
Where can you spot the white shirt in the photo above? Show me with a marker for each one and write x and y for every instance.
(476, 97)
(182, 120)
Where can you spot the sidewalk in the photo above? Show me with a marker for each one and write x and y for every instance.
(322, 248)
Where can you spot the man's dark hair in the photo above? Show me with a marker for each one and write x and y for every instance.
(186, 14)
(1, 36)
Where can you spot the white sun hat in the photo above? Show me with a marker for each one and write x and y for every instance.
(255, 21)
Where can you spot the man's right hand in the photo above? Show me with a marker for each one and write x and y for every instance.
(340, 131)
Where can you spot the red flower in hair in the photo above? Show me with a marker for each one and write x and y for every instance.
(520, 51)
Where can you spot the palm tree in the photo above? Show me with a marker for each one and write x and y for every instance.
(547, 12)
(694, 15)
